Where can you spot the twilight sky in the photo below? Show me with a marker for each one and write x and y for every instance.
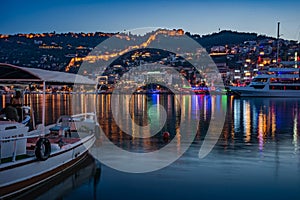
(202, 17)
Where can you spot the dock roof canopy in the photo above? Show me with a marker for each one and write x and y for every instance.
(15, 74)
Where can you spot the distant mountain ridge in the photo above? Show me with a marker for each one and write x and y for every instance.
(226, 37)
(54, 51)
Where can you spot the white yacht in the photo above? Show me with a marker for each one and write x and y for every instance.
(276, 82)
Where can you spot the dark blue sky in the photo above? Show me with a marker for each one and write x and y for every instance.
(201, 17)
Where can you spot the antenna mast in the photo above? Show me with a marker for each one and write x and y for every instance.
(278, 35)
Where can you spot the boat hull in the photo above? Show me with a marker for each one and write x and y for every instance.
(249, 92)
(30, 172)
(88, 169)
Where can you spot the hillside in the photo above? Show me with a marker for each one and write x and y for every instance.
(54, 51)
(226, 37)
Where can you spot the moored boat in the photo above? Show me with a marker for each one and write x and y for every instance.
(276, 82)
(28, 158)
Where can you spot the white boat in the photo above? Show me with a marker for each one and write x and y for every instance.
(28, 158)
(276, 82)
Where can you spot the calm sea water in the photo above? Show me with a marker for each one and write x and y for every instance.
(256, 157)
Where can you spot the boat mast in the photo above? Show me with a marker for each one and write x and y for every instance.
(278, 35)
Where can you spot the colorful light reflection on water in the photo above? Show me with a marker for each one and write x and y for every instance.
(257, 155)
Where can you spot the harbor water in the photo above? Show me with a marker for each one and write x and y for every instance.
(256, 156)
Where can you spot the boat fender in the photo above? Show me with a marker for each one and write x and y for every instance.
(42, 149)
(166, 135)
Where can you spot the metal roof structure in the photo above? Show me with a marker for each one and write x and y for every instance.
(15, 74)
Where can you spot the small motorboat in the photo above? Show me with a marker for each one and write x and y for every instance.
(30, 157)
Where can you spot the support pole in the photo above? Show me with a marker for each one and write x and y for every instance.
(44, 107)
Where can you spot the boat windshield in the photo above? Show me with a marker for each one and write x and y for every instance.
(260, 80)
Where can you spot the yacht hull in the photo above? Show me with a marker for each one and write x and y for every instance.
(250, 92)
